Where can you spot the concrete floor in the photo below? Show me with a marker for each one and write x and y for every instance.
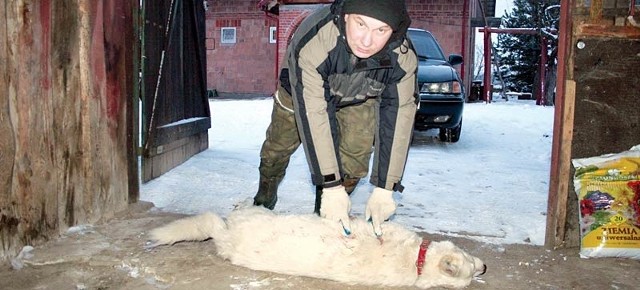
(112, 256)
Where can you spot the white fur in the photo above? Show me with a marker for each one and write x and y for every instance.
(307, 245)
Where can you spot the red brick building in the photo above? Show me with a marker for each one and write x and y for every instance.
(249, 65)
(242, 62)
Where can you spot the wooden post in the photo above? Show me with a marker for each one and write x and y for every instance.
(542, 73)
(559, 207)
(595, 13)
(63, 109)
(487, 83)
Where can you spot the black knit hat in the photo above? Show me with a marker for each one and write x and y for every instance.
(391, 12)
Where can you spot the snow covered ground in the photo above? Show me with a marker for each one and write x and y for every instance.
(491, 186)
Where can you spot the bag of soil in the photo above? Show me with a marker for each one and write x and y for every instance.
(608, 189)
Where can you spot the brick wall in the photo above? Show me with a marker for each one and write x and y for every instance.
(249, 67)
(445, 20)
(290, 17)
(245, 67)
(442, 17)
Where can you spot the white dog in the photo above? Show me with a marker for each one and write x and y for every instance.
(307, 245)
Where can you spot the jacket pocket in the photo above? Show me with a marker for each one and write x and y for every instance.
(355, 87)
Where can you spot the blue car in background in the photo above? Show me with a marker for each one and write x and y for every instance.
(442, 94)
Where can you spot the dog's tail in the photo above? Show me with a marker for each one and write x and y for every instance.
(194, 228)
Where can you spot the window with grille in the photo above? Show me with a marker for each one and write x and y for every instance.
(228, 35)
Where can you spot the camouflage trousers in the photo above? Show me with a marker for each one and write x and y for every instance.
(356, 128)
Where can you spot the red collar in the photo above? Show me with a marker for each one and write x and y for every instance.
(423, 251)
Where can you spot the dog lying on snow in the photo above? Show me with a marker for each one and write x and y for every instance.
(308, 245)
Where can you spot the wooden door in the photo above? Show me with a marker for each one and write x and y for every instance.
(175, 107)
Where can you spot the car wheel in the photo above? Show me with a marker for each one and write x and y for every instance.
(451, 135)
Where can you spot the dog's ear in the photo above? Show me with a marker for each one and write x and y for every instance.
(449, 265)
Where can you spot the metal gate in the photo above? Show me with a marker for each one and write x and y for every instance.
(175, 107)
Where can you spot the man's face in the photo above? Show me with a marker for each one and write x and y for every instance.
(366, 36)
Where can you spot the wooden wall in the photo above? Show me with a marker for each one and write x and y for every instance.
(599, 89)
(65, 116)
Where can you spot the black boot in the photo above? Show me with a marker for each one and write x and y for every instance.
(267, 195)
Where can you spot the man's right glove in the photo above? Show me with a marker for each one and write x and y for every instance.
(379, 208)
(335, 205)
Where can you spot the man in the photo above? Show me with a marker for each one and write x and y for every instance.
(349, 82)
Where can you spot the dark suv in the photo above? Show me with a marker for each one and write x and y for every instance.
(442, 94)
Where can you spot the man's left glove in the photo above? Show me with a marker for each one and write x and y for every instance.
(335, 205)
(379, 208)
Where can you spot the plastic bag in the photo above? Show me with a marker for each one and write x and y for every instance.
(608, 189)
